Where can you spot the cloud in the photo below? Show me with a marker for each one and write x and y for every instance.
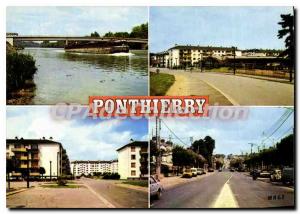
(83, 139)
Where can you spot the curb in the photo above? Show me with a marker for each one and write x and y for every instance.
(17, 191)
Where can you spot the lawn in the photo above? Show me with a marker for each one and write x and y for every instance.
(141, 183)
(221, 70)
(160, 83)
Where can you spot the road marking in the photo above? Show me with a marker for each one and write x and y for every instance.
(226, 198)
(229, 98)
(106, 202)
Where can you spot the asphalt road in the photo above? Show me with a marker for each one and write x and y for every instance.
(115, 196)
(226, 190)
(229, 89)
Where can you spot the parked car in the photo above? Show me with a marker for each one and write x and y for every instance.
(275, 175)
(156, 188)
(264, 174)
(287, 175)
(187, 173)
(200, 171)
(194, 172)
(210, 169)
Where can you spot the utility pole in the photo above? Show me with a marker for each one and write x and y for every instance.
(158, 158)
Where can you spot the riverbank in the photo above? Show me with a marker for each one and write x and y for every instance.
(20, 68)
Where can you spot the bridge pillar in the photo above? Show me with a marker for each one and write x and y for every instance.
(66, 43)
(10, 40)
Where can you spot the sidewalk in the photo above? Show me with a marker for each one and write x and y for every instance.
(45, 197)
(171, 182)
(128, 186)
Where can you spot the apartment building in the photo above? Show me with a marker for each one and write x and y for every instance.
(90, 167)
(189, 55)
(133, 159)
(34, 154)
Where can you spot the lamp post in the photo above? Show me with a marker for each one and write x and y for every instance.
(233, 60)
(50, 170)
(28, 172)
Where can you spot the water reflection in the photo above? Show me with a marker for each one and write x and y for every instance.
(72, 77)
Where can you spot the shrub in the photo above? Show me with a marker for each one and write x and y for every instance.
(19, 68)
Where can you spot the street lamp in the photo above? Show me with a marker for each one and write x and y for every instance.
(50, 170)
(233, 59)
(28, 171)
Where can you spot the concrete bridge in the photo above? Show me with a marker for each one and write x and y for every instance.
(12, 37)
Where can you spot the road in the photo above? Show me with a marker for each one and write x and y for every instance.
(228, 89)
(115, 196)
(225, 190)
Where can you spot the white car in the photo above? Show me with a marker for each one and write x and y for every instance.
(194, 172)
(155, 188)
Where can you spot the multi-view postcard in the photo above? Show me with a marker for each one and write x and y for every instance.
(150, 107)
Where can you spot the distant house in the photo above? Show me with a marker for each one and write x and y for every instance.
(133, 160)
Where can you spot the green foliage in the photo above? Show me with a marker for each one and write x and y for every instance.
(19, 69)
(288, 31)
(281, 155)
(95, 34)
(42, 170)
(108, 175)
(140, 31)
(141, 183)
(205, 147)
(183, 157)
(160, 83)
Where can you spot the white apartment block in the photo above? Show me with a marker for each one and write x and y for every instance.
(90, 167)
(34, 154)
(133, 159)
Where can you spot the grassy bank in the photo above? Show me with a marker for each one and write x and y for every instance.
(160, 83)
(141, 183)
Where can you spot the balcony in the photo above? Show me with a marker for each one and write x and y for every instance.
(19, 150)
(23, 158)
(34, 174)
(23, 166)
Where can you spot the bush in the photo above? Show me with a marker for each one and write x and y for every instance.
(114, 176)
(19, 68)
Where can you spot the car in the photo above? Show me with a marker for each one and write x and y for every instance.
(265, 174)
(232, 170)
(275, 175)
(194, 172)
(210, 169)
(187, 173)
(156, 188)
(200, 171)
(220, 169)
(287, 175)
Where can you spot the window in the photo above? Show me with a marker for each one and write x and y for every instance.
(133, 173)
(132, 157)
(132, 165)
(133, 149)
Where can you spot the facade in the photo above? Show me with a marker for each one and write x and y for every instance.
(133, 159)
(34, 154)
(90, 167)
(188, 55)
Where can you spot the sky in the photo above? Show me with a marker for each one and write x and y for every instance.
(243, 27)
(69, 21)
(231, 136)
(83, 139)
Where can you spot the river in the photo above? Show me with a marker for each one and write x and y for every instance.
(72, 77)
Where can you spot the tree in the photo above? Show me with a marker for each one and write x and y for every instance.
(205, 147)
(140, 31)
(42, 171)
(10, 166)
(288, 31)
(95, 34)
(109, 34)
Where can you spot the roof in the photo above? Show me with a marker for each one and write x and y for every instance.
(135, 143)
(31, 141)
(200, 47)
